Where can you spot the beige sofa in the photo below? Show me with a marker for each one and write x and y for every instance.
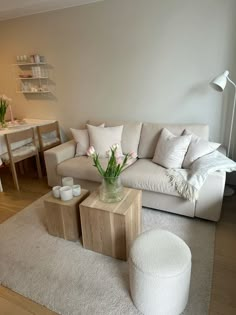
(142, 174)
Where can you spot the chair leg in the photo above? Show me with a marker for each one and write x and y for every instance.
(42, 163)
(14, 175)
(1, 189)
(26, 165)
(38, 166)
(21, 166)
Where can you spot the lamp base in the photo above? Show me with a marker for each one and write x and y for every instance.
(229, 191)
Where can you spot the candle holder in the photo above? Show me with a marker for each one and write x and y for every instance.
(66, 193)
(56, 191)
(67, 181)
(76, 189)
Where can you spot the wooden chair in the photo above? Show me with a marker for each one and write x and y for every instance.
(48, 136)
(1, 189)
(27, 150)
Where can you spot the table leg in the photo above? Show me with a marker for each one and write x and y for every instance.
(1, 189)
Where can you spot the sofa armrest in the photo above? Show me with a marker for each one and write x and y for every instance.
(222, 149)
(55, 156)
(209, 203)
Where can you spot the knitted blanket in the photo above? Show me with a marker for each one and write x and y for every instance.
(188, 182)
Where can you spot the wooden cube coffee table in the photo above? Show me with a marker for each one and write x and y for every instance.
(110, 228)
(63, 219)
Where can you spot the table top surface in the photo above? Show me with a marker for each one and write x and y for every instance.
(22, 124)
(18, 125)
(72, 202)
(130, 196)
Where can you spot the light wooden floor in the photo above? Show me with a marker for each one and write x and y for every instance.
(223, 295)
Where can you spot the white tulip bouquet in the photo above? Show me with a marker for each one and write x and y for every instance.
(4, 102)
(116, 162)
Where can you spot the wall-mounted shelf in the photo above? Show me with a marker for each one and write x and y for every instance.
(29, 64)
(31, 77)
(31, 92)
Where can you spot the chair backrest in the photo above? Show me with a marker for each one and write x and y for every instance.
(20, 146)
(49, 136)
(20, 135)
(26, 136)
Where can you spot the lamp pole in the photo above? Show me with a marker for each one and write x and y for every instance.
(232, 117)
(219, 84)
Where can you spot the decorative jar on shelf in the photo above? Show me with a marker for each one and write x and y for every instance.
(111, 189)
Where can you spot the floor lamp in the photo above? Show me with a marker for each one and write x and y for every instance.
(219, 84)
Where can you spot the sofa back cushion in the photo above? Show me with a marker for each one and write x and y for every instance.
(150, 134)
(81, 138)
(197, 148)
(171, 149)
(102, 139)
(130, 135)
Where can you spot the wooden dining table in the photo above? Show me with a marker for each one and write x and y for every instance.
(15, 126)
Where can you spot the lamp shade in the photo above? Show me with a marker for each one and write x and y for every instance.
(220, 81)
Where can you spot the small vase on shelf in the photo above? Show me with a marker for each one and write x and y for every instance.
(111, 189)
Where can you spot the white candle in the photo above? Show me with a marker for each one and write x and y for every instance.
(67, 181)
(56, 191)
(66, 193)
(76, 189)
(11, 114)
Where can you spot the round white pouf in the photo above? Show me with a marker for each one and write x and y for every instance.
(160, 271)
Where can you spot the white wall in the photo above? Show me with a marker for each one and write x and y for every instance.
(147, 60)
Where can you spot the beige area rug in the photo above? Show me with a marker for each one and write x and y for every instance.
(69, 279)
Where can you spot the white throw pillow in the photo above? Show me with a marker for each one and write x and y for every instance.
(198, 147)
(81, 138)
(103, 138)
(171, 149)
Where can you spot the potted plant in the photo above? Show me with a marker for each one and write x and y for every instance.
(111, 189)
(4, 102)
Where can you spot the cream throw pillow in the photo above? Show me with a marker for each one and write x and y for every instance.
(197, 148)
(81, 138)
(103, 138)
(170, 149)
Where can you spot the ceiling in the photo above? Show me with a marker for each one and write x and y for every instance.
(10, 9)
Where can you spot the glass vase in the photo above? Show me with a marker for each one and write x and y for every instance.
(111, 190)
(3, 123)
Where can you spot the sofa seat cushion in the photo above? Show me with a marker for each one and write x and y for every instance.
(146, 175)
(81, 167)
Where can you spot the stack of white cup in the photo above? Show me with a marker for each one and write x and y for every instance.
(67, 191)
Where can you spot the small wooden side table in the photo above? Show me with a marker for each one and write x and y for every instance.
(63, 219)
(110, 228)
